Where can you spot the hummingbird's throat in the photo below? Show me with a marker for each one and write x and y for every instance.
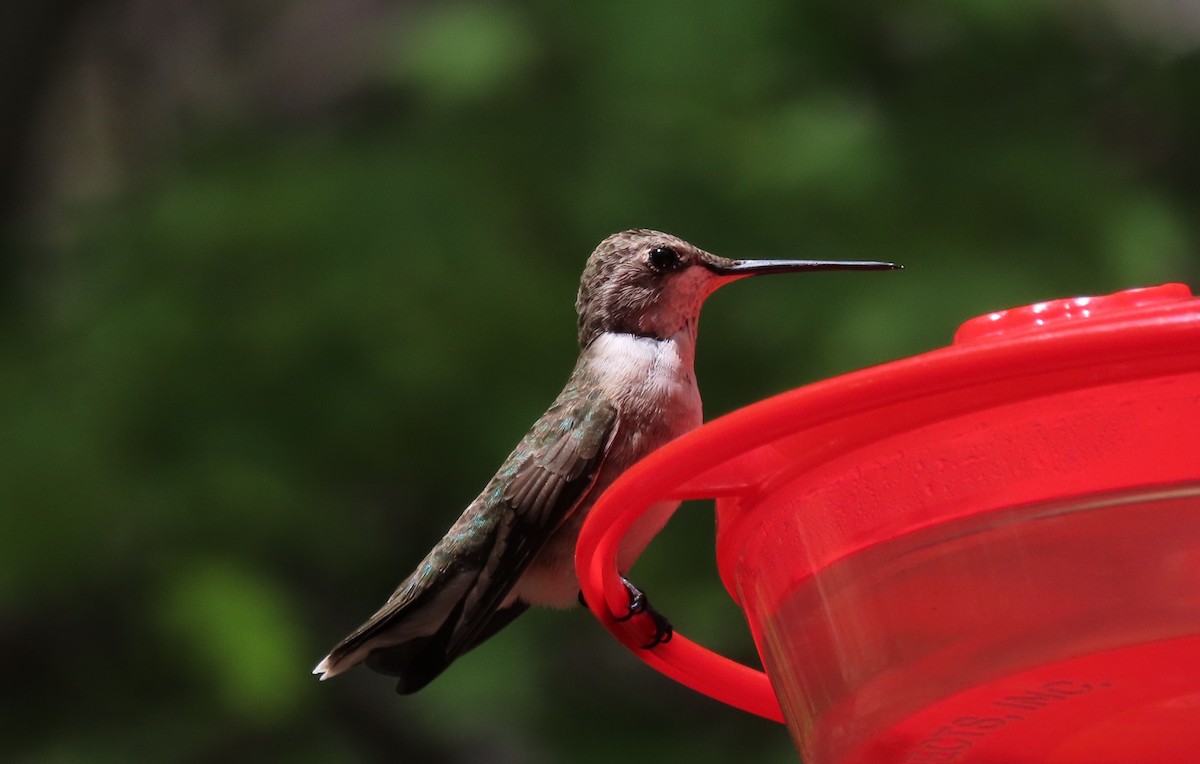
(675, 313)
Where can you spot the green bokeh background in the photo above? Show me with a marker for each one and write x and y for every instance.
(253, 366)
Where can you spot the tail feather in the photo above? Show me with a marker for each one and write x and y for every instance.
(337, 662)
(416, 639)
(324, 669)
(419, 661)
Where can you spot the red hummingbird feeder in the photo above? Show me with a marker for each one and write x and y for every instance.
(985, 553)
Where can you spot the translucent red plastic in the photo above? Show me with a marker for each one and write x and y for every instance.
(985, 553)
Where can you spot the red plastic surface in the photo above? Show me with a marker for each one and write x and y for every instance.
(1056, 402)
(1007, 324)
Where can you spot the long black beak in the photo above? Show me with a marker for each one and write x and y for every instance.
(756, 267)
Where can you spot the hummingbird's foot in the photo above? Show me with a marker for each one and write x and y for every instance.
(640, 603)
(637, 600)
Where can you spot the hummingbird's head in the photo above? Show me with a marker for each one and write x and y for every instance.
(652, 284)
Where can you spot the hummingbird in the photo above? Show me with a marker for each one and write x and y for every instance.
(632, 390)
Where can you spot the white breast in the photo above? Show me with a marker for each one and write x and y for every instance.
(651, 379)
(654, 386)
(654, 383)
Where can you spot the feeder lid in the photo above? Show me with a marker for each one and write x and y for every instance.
(1068, 313)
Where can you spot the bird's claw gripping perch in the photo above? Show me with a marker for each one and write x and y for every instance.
(640, 603)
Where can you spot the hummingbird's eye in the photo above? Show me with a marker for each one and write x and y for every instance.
(664, 259)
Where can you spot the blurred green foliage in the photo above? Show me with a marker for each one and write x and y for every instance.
(243, 396)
